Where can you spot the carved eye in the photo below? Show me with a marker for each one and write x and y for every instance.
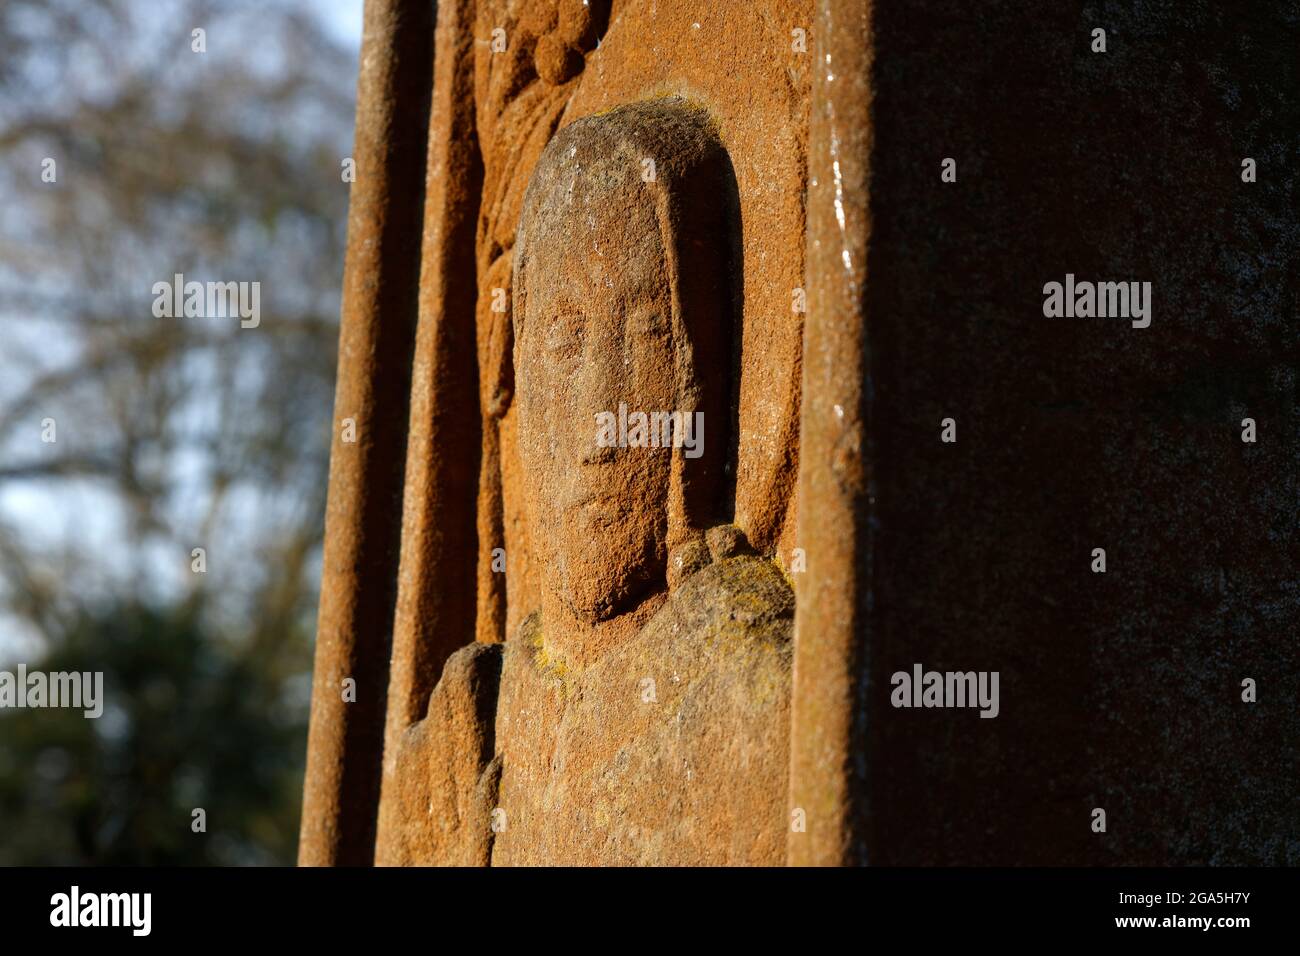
(565, 334)
(647, 322)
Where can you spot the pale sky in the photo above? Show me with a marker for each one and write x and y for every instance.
(343, 17)
(67, 512)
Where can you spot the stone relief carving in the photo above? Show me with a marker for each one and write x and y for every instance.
(611, 680)
(644, 705)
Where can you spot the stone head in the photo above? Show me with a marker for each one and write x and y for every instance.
(623, 306)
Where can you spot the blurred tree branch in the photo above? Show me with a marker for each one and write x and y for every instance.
(172, 433)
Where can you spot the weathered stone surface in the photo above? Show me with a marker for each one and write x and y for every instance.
(671, 749)
(623, 305)
(736, 63)
(435, 607)
(829, 777)
(646, 685)
(732, 78)
(438, 810)
(362, 522)
(643, 707)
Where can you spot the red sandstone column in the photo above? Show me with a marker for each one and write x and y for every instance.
(436, 595)
(828, 739)
(363, 517)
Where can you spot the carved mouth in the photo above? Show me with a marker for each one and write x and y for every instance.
(583, 500)
(600, 456)
(599, 509)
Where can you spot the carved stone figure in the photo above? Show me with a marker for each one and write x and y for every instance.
(573, 640)
(643, 709)
(622, 298)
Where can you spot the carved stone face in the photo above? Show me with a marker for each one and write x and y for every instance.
(622, 308)
(596, 332)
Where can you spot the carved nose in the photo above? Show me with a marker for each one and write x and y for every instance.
(602, 374)
(597, 455)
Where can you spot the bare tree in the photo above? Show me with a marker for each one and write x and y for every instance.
(129, 153)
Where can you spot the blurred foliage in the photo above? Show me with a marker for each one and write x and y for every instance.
(171, 433)
(190, 722)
